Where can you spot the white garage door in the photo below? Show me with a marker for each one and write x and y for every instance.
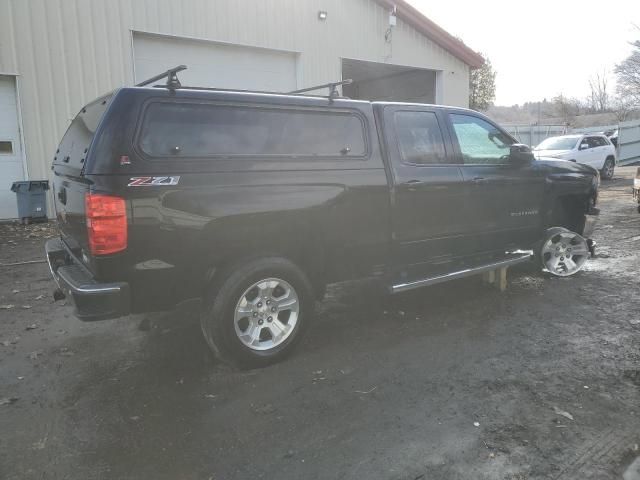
(214, 64)
(11, 168)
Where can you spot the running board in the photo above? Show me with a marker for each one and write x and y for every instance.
(519, 257)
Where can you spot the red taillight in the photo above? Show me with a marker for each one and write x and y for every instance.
(106, 223)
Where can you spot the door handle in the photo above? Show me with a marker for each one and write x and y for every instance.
(479, 180)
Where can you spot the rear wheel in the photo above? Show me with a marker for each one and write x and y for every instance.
(608, 168)
(257, 314)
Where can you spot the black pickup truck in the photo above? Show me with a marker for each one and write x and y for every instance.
(254, 202)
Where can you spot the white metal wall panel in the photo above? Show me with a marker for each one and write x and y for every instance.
(11, 168)
(68, 52)
(214, 64)
(629, 142)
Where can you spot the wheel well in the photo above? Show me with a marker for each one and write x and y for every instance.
(569, 212)
(233, 240)
(220, 269)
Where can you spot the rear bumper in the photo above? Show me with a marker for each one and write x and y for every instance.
(92, 300)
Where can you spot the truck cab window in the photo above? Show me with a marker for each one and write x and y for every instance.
(480, 142)
(419, 138)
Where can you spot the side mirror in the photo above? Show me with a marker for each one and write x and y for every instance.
(583, 146)
(521, 154)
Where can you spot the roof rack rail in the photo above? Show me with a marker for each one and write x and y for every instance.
(172, 78)
(216, 89)
(332, 86)
(173, 83)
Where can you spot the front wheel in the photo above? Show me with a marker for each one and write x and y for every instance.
(563, 252)
(258, 313)
(607, 170)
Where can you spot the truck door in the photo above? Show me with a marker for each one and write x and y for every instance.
(504, 200)
(427, 201)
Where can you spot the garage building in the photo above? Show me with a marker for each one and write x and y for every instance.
(56, 55)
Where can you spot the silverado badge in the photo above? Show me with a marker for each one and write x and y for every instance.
(525, 213)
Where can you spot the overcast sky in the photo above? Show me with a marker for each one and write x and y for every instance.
(540, 48)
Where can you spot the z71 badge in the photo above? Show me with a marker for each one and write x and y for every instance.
(152, 181)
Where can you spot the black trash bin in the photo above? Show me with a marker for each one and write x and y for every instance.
(32, 200)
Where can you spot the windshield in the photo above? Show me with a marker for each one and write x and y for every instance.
(558, 143)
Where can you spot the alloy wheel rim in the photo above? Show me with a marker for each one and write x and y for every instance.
(609, 169)
(565, 253)
(266, 314)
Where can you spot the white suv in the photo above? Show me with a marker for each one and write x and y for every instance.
(592, 149)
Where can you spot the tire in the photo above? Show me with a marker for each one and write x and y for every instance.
(607, 169)
(248, 318)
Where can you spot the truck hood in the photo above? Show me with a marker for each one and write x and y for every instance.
(564, 166)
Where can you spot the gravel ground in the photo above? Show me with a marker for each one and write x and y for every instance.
(455, 381)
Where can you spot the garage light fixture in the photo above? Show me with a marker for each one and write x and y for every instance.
(393, 19)
(322, 15)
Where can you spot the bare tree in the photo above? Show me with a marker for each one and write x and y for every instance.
(599, 93)
(566, 108)
(628, 76)
(621, 108)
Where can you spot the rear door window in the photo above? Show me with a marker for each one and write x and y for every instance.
(594, 142)
(420, 138)
(203, 130)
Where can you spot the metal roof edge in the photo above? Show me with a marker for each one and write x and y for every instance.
(434, 32)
